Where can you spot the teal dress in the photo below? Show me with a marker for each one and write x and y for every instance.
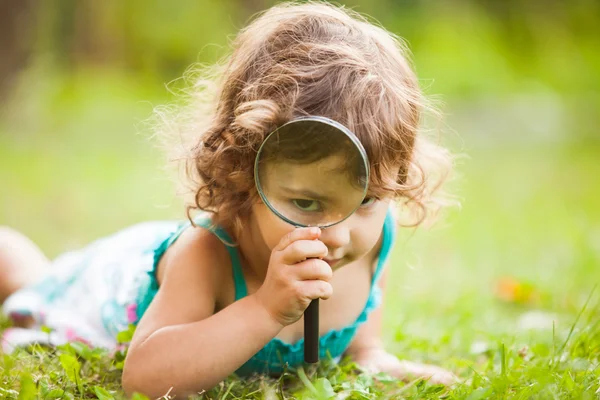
(277, 354)
(94, 293)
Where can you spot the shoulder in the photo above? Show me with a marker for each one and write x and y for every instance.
(197, 252)
(191, 278)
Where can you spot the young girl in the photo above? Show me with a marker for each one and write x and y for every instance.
(225, 292)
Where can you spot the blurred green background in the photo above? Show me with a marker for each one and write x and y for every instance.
(518, 81)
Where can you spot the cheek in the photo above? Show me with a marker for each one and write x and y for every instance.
(271, 227)
(366, 238)
(369, 229)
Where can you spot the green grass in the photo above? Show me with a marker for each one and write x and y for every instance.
(527, 239)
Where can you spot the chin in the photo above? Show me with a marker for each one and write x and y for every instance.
(339, 263)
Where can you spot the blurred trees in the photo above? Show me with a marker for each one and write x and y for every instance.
(16, 38)
(470, 47)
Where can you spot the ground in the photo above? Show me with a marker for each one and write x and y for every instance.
(501, 290)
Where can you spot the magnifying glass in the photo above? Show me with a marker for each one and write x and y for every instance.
(312, 171)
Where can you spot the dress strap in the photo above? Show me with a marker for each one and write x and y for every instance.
(236, 265)
(389, 236)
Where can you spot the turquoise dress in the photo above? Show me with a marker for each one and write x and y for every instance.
(94, 293)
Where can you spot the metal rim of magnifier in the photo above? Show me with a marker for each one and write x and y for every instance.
(330, 122)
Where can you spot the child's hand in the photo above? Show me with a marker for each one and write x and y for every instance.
(378, 360)
(296, 275)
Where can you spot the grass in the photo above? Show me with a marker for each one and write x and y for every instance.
(502, 291)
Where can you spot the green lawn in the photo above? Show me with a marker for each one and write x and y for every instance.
(477, 293)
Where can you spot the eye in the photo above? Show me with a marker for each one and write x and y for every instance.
(307, 205)
(368, 201)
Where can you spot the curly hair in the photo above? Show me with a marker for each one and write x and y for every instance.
(305, 59)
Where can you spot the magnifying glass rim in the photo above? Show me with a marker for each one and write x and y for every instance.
(330, 122)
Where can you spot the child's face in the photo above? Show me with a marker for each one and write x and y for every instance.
(348, 240)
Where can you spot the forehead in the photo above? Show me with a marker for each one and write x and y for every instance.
(328, 174)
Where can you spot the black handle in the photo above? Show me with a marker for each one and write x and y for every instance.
(311, 332)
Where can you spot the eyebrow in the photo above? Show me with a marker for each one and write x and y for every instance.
(306, 193)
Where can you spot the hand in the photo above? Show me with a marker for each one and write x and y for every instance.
(296, 275)
(378, 360)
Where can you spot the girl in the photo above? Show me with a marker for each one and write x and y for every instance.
(225, 292)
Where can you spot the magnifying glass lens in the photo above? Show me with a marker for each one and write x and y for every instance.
(312, 172)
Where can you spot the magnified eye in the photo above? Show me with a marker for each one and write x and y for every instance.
(368, 201)
(307, 205)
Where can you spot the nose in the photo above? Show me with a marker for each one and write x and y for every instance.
(336, 236)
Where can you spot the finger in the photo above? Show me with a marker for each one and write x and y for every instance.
(432, 373)
(313, 269)
(309, 233)
(316, 289)
(301, 250)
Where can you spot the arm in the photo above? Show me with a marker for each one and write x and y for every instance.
(179, 343)
(196, 356)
